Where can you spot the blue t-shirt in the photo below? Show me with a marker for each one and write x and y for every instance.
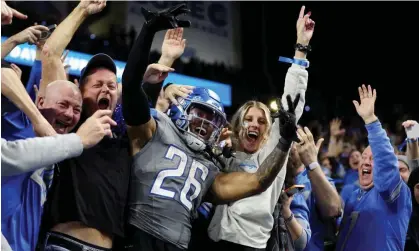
(377, 219)
(23, 195)
(317, 226)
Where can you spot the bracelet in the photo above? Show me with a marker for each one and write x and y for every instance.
(289, 219)
(297, 61)
(167, 85)
(302, 48)
(313, 166)
(412, 140)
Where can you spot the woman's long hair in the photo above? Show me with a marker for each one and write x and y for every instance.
(237, 121)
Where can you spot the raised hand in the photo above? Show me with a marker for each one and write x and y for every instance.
(307, 149)
(173, 44)
(173, 91)
(409, 123)
(95, 128)
(30, 35)
(287, 119)
(162, 103)
(8, 13)
(335, 130)
(92, 7)
(305, 27)
(167, 18)
(366, 108)
(156, 73)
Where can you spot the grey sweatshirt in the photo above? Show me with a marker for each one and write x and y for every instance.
(249, 221)
(27, 155)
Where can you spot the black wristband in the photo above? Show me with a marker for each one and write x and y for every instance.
(302, 48)
(164, 87)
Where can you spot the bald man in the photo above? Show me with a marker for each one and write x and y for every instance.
(25, 193)
(61, 105)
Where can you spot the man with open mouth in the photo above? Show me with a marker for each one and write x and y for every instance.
(376, 215)
(85, 207)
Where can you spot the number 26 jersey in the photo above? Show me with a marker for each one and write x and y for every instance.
(168, 183)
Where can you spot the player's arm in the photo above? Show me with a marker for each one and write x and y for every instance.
(386, 176)
(140, 125)
(237, 185)
(52, 67)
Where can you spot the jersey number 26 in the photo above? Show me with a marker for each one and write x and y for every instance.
(178, 172)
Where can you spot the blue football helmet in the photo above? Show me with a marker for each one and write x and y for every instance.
(200, 117)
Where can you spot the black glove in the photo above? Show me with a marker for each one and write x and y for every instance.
(166, 19)
(287, 122)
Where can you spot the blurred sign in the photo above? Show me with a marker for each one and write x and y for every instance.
(210, 37)
(24, 54)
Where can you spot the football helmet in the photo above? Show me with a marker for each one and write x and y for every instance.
(200, 117)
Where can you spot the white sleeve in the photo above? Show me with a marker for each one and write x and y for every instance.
(295, 82)
(4, 244)
(27, 155)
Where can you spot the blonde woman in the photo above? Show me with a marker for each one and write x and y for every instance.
(246, 224)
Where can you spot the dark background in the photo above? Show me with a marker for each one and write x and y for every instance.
(354, 43)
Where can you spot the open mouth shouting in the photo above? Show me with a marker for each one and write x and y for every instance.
(201, 131)
(366, 172)
(103, 104)
(61, 126)
(252, 136)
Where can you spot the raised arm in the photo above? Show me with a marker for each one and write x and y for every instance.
(386, 175)
(52, 67)
(296, 78)
(327, 198)
(140, 125)
(172, 48)
(28, 35)
(35, 75)
(412, 151)
(8, 13)
(13, 89)
(237, 185)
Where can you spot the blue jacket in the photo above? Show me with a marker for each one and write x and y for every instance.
(377, 219)
(316, 224)
(301, 213)
(23, 195)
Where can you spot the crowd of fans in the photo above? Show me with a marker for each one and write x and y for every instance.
(99, 165)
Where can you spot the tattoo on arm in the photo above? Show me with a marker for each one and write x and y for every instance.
(271, 166)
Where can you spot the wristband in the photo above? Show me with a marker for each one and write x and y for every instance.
(412, 140)
(312, 166)
(302, 48)
(289, 219)
(301, 62)
(167, 85)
